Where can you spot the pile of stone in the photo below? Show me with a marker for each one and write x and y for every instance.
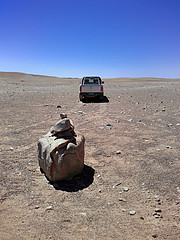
(61, 151)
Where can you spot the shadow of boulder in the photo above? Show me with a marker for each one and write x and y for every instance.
(78, 182)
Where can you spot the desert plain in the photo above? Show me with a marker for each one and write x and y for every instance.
(130, 186)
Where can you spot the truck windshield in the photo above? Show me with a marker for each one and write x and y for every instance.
(91, 81)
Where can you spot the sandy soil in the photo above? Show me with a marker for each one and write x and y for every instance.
(141, 120)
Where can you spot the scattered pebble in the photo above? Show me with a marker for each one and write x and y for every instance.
(154, 235)
(83, 213)
(118, 152)
(122, 200)
(125, 189)
(132, 212)
(81, 112)
(49, 208)
(157, 198)
(117, 184)
(130, 120)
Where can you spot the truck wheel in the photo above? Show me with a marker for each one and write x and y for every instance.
(80, 97)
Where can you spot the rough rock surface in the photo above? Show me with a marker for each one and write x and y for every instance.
(61, 152)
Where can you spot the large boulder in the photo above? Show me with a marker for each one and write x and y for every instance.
(61, 151)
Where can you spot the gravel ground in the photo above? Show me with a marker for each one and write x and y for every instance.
(129, 188)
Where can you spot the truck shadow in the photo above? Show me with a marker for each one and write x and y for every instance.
(78, 182)
(95, 100)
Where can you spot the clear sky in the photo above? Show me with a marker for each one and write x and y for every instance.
(73, 38)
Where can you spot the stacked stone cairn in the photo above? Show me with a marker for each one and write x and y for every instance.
(61, 151)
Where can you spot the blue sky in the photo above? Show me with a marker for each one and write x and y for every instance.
(73, 38)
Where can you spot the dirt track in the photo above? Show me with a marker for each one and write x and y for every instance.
(144, 115)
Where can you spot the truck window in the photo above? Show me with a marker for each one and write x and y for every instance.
(91, 81)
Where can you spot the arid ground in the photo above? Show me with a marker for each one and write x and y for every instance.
(129, 188)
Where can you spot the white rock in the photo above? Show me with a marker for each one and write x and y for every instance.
(49, 208)
(118, 152)
(132, 212)
(125, 189)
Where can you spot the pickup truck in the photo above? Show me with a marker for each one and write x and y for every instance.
(91, 87)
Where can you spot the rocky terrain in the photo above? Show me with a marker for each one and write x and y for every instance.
(129, 188)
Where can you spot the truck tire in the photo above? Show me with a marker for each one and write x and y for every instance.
(80, 97)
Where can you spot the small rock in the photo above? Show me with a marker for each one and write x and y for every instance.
(81, 112)
(132, 212)
(169, 124)
(169, 147)
(154, 235)
(118, 152)
(108, 124)
(117, 184)
(101, 128)
(11, 148)
(83, 213)
(116, 120)
(58, 106)
(163, 110)
(125, 189)
(100, 190)
(139, 120)
(36, 207)
(99, 175)
(122, 200)
(156, 215)
(130, 120)
(157, 198)
(156, 110)
(49, 208)
(158, 210)
(177, 124)
(108, 127)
